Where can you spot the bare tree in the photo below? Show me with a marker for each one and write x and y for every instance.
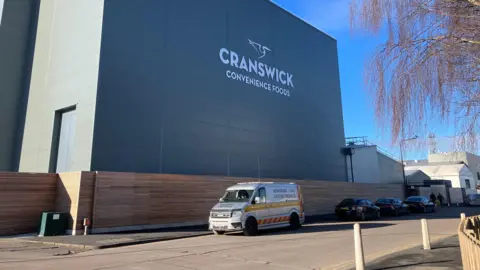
(429, 67)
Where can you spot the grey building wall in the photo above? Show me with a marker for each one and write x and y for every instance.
(17, 41)
(390, 170)
(64, 75)
(416, 177)
(165, 103)
(365, 165)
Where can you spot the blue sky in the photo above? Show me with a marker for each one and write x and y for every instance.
(354, 48)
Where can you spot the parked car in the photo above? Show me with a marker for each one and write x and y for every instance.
(420, 204)
(353, 208)
(392, 206)
(473, 199)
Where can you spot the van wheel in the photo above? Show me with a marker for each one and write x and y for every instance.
(295, 222)
(218, 232)
(251, 227)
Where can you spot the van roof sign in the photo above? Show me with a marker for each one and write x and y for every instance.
(266, 183)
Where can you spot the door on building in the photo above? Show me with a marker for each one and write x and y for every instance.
(66, 137)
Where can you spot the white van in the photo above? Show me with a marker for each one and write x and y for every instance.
(254, 206)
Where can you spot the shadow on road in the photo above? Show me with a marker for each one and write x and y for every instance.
(315, 228)
(441, 213)
(330, 228)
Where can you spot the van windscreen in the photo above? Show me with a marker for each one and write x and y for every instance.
(240, 195)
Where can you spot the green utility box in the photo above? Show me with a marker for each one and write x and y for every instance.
(53, 223)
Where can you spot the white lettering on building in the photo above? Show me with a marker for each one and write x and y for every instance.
(254, 67)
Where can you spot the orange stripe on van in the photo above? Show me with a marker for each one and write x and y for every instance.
(273, 220)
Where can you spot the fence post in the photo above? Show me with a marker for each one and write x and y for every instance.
(359, 259)
(86, 225)
(425, 235)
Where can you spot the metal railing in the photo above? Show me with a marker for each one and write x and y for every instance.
(357, 141)
(469, 238)
(363, 140)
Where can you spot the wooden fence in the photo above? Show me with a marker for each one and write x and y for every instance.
(469, 238)
(132, 201)
(139, 201)
(75, 196)
(23, 198)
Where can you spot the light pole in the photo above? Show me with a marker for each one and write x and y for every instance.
(403, 165)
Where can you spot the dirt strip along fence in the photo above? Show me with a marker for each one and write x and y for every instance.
(469, 238)
(23, 198)
(129, 199)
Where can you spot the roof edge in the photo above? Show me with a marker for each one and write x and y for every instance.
(300, 19)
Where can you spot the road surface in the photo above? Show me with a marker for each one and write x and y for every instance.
(315, 246)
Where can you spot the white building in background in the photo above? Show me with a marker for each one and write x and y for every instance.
(371, 164)
(459, 174)
(471, 160)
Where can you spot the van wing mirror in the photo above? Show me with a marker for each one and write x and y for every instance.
(256, 200)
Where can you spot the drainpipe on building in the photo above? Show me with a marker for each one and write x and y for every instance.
(349, 151)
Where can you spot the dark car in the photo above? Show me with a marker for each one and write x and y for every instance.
(352, 208)
(473, 199)
(392, 206)
(420, 204)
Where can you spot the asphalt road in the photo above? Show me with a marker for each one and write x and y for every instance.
(315, 246)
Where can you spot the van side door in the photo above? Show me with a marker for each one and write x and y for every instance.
(261, 207)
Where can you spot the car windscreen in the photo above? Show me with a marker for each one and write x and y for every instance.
(385, 201)
(347, 202)
(414, 199)
(238, 195)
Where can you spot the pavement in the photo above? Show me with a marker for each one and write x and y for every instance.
(323, 245)
(99, 241)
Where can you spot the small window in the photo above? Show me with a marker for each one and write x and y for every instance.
(363, 203)
(467, 183)
(368, 202)
(263, 195)
(478, 175)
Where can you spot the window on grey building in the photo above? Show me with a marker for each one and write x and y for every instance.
(478, 175)
(467, 183)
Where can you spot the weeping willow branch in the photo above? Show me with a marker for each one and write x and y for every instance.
(428, 68)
